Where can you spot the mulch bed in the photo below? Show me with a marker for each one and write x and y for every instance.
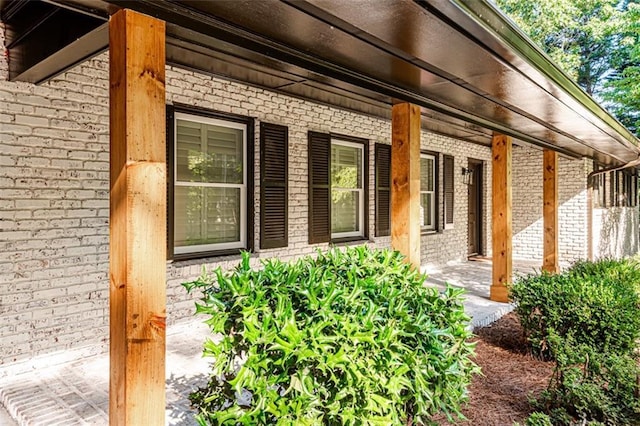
(510, 375)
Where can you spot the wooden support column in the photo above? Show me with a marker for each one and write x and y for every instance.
(405, 181)
(501, 215)
(550, 211)
(137, 219)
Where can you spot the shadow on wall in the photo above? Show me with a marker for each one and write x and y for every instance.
(615, 232)
(527, 221)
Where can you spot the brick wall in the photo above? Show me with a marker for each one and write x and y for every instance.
(54, 200)
(527, 206)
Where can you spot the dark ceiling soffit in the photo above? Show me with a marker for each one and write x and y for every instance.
(559, 139)
(11, 8)
(66, 57)
(184, 17)
(187, 55)
(492, 20)
(277, 52)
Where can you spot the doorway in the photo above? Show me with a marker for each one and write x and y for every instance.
(474, 189)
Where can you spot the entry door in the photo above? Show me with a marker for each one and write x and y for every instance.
(475, 208)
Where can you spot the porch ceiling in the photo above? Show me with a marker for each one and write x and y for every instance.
(471, 69)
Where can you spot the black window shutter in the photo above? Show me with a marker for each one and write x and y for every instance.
(170, 135)
(274, 142)
(448, 189)
(319, 187)
(383, 190)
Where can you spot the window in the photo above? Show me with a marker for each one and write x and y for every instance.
(337, 188)
(428, 198)
(599, 187)
(347, 189)
(209, 203)
(623, 186)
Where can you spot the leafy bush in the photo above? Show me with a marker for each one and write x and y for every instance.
(603, 388)
(588, 320)
(348, 337)
(593, 303)
(538, 419)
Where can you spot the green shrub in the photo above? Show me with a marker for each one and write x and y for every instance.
(588, 320)
(348, 337)
(593, 303)
(603, 388)
(538, 419)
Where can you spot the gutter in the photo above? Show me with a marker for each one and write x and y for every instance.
(630, 164)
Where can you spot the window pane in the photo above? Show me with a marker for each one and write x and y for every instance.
(346, 164)
(208, 153)
(345, 212)
(206, 215)
(188, 151)
(426, 174)
(426, 202)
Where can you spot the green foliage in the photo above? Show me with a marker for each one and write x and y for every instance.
(591, 304)
(622, 89)
(602, 388)
(587, 320)
(538, 419)
(349, 337)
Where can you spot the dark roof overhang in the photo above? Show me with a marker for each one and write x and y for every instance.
(463, 61)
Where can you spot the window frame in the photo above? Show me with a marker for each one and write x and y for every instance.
(176, 112)
(362, 219)
(435, 200)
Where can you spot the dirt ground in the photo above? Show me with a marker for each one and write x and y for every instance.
(500, 396)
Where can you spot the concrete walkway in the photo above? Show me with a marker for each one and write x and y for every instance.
(77, 393)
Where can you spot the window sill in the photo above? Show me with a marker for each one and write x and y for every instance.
(429, 232)
(205, 254)
(347, 241)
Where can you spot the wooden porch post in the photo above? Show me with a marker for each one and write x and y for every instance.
(550, 211)
(501, 215)
(405, 181)
(137, 219)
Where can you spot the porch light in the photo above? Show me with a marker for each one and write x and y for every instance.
(467, 176)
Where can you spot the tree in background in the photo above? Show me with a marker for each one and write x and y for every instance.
(622, 89)
(594, 41)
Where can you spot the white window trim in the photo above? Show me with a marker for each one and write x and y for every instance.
(434, 201)
(361, 231)
(242, 243)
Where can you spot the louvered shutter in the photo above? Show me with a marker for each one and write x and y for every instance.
(170, 182)
(383, 190)
(274, 142)
(319, 148)
(448, 189)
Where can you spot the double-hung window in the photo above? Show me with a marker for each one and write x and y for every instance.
(210, 184)
(337, 188)
(428, 198)
(347, 189)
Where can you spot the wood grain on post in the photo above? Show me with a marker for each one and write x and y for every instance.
(405, 181)
(137, 220)
(550, 211)
(501, 216)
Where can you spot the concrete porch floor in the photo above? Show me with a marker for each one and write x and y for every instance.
(76, 393)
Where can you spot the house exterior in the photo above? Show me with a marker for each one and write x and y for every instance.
(265, 168)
